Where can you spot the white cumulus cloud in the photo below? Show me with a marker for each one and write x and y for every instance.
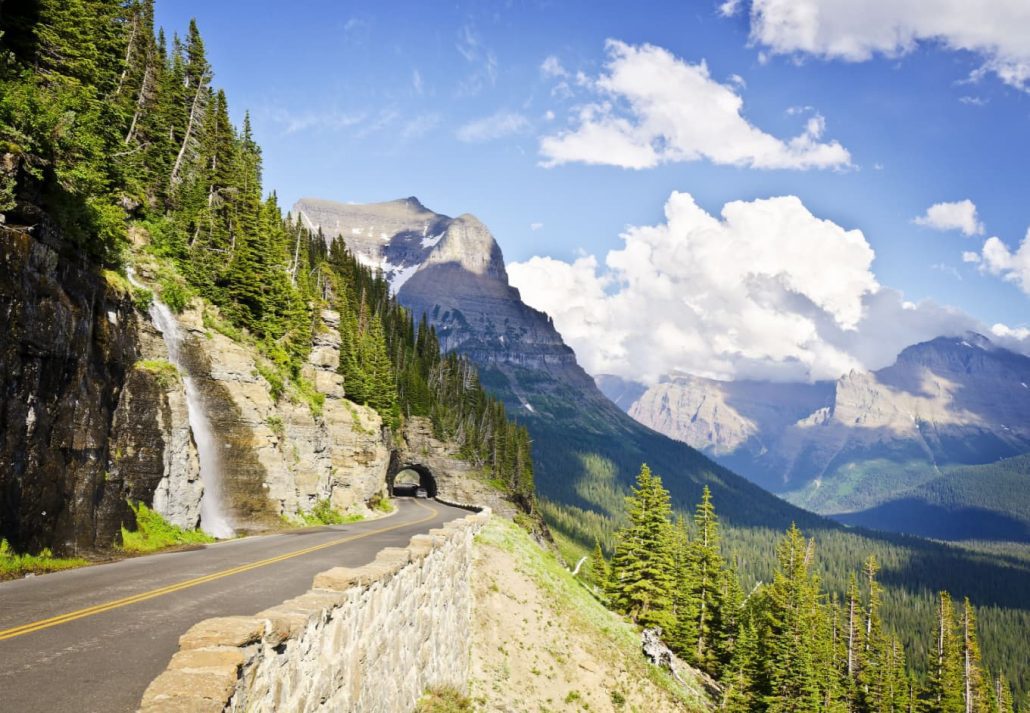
(960, 215)
(495, 126)
(765, 290)
(651, 107)
(998, 31)
(1010, 265)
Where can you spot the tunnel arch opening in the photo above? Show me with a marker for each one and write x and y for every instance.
(409, 479)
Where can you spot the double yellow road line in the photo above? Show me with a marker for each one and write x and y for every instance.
(186, 584)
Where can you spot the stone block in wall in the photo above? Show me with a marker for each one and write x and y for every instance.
(371, 638)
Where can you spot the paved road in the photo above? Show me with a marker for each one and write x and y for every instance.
(90, 640)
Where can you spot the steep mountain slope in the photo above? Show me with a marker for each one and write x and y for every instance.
(865, 439)
(586, 450)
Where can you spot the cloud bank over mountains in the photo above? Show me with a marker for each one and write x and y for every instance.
(765, 290)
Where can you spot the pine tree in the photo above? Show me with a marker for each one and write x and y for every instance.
(975, 690)
(791, 629)
(945, 684)
(739, 676)
(196, 82)
(598, 567)
(853, 639)
(643, 565)
(683, 635)
(707, 565)
(874, 670)
(829, 660)
(1003, 696)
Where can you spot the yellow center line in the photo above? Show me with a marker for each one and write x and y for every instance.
(186, 584)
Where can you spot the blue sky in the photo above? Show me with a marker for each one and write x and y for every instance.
(455, 102)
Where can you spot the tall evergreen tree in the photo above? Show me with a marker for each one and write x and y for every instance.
(791, 629)
(598, 567)
(976, 691)
(643, 563)
(944, 687)
(874, 671)
(683, 636)
(707, 565)
(740, 675)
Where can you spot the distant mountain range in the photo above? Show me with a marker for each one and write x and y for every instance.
(586, 450)
(857, 447)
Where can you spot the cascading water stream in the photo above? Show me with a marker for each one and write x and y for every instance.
(212, 516)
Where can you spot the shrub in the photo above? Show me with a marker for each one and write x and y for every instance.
(324, 514)
(117, 282)
(275, 380)
(276, 425)
(174, 293)
(14, 565)
(314, 399)
(153, 533)
(142, 298)
(380, 504)
(444, 699)
(165, 372)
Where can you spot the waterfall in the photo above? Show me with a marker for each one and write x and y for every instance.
(212, 516)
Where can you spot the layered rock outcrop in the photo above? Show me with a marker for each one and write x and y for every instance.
(278, 455)
(453, 479)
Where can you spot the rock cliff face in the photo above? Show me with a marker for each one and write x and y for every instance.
(453, 270)
(452, 479)
(276, 456)
(849, 444)
(68, 342)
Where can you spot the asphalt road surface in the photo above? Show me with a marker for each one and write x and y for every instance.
(90, 640)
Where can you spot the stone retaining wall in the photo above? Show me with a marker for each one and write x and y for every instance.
(371, 638)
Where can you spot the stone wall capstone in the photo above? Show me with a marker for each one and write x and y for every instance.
(365, 639)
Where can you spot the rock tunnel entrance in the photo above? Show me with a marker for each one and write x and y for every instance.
(411, 481)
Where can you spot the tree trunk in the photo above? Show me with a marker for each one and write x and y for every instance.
(128, 53)
(201, 85)
(139, 105)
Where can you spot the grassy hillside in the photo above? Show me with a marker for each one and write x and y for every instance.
(580, 656)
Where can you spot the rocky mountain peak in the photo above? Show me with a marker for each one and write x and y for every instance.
(453, 270)
(470, 244)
